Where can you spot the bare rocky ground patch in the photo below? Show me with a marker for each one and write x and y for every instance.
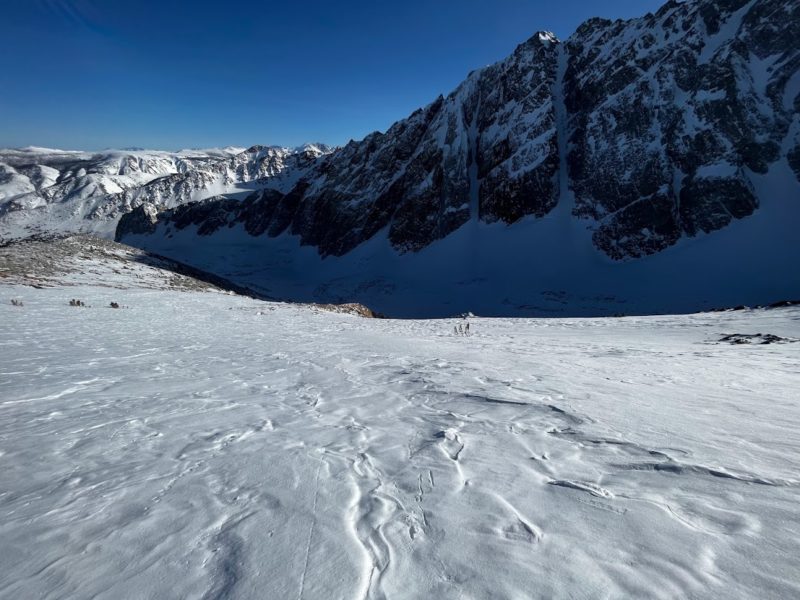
(80, 259)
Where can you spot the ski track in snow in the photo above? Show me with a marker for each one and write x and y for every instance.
(203, 445)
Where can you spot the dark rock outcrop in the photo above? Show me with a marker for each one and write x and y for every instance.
(142, 220)
(656, 127)
(672, 111)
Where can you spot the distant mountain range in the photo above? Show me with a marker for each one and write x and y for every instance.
(44, 190)
(644, 165)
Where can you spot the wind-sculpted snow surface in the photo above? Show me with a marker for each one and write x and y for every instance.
(201, 445)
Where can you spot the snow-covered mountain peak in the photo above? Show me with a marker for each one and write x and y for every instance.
(630, 139)
(547, 37)
(315, 148)
(670, 139)
(44, 190)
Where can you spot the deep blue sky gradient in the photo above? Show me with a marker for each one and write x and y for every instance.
(92, 74)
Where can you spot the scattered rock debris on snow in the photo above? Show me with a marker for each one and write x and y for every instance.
(755, 338)
(75, 259)
(349, 308)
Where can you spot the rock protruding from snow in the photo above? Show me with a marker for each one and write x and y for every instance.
(141, 220)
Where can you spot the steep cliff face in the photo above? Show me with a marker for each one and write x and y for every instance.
(641, 166)
(647, 131)
(487, 150)
(673, 113)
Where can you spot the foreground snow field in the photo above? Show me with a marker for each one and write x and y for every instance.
(204, 445)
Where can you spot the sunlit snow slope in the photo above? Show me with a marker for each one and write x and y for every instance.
(203, 445)
(46, 191)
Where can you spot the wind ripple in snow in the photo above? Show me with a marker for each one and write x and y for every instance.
(297, 454)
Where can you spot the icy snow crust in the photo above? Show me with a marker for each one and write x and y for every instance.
(203, 445)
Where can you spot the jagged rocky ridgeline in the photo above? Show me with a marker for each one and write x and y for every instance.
(46, 191)
(648, 131)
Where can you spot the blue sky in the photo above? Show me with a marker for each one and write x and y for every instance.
(92, 74)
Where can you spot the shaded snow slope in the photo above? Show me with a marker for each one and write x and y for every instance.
(198, 445)
(536, 267)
